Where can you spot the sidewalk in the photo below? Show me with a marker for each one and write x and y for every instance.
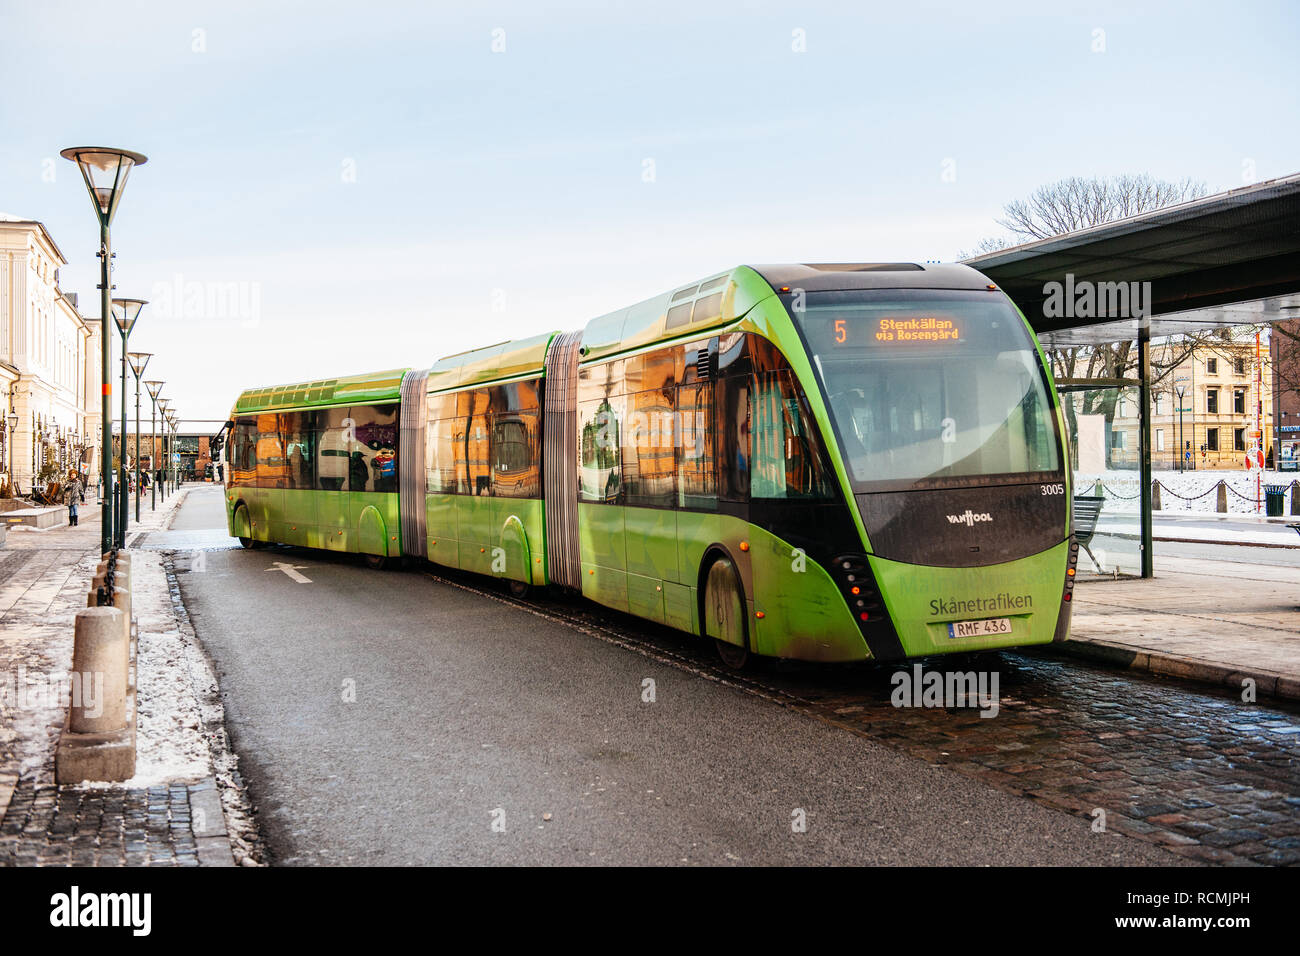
(1208, 529)
(171, 812)
(1215, 621)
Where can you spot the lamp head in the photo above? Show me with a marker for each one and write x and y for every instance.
(138, 361)
(125, 314)
(105, 171)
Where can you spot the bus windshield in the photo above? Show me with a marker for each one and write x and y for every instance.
(928, 387)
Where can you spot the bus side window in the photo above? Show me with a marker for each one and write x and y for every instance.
(270, 468)
(515, 445)
(600, 474)
(372, 456)
(298, 442)
(697, 465)
(243, 454)
(440, 453)
(788, 458)
(734, 435)
(331, 449)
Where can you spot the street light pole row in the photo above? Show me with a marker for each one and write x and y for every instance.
(126, 312)
(105, 172)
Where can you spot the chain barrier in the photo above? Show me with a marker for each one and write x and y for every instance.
(104, 593)
(1238, 493)
(1165, 488)
(1115, 494)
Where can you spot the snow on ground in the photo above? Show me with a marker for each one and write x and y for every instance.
(170, 747)
(1120, 488)
(39, 604)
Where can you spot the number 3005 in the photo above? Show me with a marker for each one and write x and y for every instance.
(1058, 489)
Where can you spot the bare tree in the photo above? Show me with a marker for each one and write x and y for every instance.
(993, 244)
(1078, 203)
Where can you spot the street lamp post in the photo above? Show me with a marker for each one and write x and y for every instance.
(172, 461)
(162, 439)
(154, 388)
(1180, 389)
(126, 312)
(165, 406)
(171, 452)
(13, 426)
(105, 172)
(138, 361)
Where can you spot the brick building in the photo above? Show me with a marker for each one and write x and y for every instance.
(1284, 353)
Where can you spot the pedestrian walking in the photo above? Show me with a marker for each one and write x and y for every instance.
(72, 497)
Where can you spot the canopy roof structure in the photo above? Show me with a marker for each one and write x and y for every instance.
(1223, 260)
(1228, 259)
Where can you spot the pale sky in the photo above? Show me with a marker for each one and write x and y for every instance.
(380, 188)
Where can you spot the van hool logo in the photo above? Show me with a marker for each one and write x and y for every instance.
(1096, 300)
(970, 518)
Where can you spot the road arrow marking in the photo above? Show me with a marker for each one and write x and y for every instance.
(291, 571)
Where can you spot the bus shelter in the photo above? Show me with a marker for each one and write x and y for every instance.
(1225, 260)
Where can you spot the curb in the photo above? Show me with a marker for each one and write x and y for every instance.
(8, 781)
(228, 794)
(208, 824)
(1267, 683)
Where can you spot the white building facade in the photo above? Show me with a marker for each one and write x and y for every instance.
(49, 364)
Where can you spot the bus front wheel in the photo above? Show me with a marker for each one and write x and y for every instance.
(242, 520)
(724, 614)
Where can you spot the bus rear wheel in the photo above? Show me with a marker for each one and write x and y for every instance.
(376, 561)
(519, 589)
(724, 614)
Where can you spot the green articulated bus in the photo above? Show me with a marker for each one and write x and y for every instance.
(822, 462)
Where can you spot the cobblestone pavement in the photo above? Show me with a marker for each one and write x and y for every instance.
(1186, 766)
(48, 825)
(1205, 775)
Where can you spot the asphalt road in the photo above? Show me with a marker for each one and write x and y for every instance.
(388, 718)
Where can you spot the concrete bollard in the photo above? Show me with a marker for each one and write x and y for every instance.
(122, 601)
(1222, 505)
(97, 657)
(1155, 496)
(1096, 489)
